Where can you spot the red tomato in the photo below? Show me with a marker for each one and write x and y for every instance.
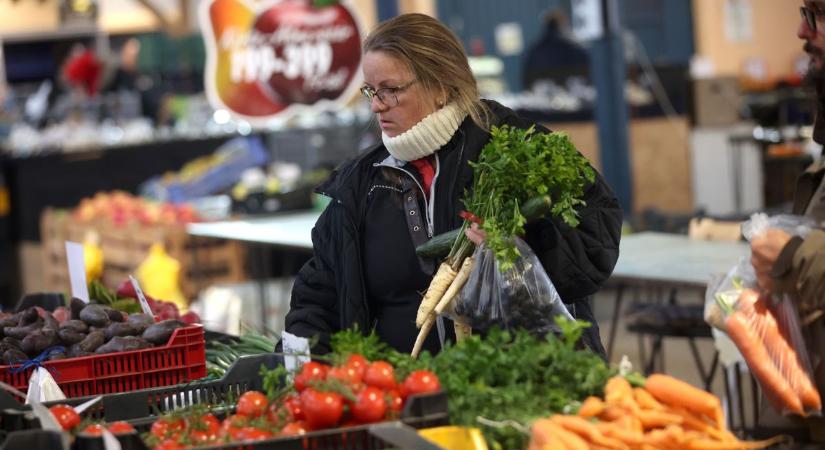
(359, 363)
(232, 425)
(253, 434)
(394, 400)
(420, 382)
(169, 444)
(252, 404)
(94, 429)
(346, 374)
(310, 371)
(294, 429)
(199, 437)
(322, 409)
(66, 416)
(167, 426)
(121, 427)
(211, 424)
(370, 406)
(293, 404)
(380, 374)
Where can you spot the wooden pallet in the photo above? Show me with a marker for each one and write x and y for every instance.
(204, 261)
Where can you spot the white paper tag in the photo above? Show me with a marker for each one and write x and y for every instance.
(86, 405)
(77, 270)
(144, 304)
(296, 351)
(110, 442)
(43, 388)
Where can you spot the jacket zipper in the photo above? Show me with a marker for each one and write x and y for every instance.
(429, 204)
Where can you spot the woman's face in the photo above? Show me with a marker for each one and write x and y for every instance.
(405, 102)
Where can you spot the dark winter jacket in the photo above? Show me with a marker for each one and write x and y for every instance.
(330, 290)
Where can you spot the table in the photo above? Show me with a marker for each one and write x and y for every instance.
(670, 261)
(289, 231)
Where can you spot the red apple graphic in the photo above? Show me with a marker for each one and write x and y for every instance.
(317, 50)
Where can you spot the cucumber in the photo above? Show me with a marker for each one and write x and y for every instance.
(439, 246)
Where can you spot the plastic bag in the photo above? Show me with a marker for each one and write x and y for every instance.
(522, 297)
(765, 327)
(43, 388)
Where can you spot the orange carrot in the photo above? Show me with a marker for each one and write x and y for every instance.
(588, 431)
(760, 363)
(709, 444)
(617, 389)
(675, 392)
(694, 422)
(646, 401)
(658, 419)
(543, 437)
(777, 346)
(591, 407)
(612, 413)
(570, 440)
(630, 437)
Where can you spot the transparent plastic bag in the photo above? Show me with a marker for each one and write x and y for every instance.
(765, 326)
(521, 297)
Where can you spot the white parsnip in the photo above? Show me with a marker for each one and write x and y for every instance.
(455, 287)
(422, 335)
(441, 282)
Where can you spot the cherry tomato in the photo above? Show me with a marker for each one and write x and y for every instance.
(199, 437)
(66, 416)
(420, 382)
(294, 429)
(121, 427)
(347, 375)
(380, 374)
(394, 400)
(309, 372)
(252, 404)
(169, 444)
(253, 434)
(94, 429)
(370, 406)
(232, 426)
(322, 409)
(359, 363)
(211, 423)
(167, 426)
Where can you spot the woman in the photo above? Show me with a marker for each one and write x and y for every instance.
(396, 196)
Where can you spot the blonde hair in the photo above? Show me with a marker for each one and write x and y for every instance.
(435, 57)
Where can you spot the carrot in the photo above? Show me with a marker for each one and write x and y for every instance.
(461, 331)
(591, 407)
(617, 389)
(693, 422)
(570, 440)
(588, 430)
(658, 419)
(612, 413)
(777, 346)
(458, 282)
(646, 401)
(760, 363)
(629, 437)
(675, 392)
(441, 282)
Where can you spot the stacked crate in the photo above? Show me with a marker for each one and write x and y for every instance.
(203, 261)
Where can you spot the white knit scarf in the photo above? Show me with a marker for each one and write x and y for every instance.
(427, 136)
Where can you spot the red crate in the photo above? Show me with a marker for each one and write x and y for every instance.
(181, 360)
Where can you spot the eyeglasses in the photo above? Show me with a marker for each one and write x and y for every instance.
(387, 96)
(810, 15)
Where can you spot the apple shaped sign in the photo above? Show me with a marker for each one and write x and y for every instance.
(278, 57)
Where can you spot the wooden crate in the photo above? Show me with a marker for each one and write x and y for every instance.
(203, 261)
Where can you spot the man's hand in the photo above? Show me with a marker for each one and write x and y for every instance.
(475, 234)
(765, 249)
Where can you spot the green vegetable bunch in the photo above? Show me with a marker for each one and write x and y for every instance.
(515, 166)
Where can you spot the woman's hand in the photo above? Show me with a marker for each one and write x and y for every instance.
(475, 234)
(765, 249)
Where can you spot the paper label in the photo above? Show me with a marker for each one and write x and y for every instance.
(144, 304)
(77, 270)
(296, 351)
(43, 388)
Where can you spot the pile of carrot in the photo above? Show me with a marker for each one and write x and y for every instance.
(771, 358)
(666, 413)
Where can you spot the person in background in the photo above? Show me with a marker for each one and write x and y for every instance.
(364, 271)
(554, 56)
(791, 264)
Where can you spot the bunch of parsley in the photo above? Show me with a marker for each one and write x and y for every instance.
(515, 166)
